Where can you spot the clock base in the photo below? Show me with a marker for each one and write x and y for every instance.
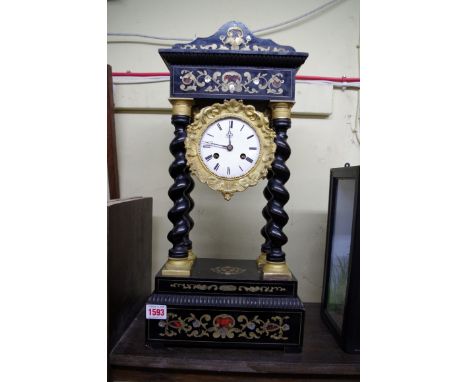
(227, 303)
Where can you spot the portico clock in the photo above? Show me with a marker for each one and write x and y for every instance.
(231, 96)
(230, 146)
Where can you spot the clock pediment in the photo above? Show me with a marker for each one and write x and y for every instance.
(235, 36)
(233, 63)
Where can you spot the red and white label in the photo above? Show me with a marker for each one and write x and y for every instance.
(156, 312)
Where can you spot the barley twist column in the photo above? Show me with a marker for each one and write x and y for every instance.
(275, 266)
(179, 263)
(191, 205)
(265, 248)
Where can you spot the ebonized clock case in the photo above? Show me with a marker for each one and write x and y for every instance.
(229, 303)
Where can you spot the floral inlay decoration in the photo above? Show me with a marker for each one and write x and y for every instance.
(225, 326)
(227, 270)
(231, 82)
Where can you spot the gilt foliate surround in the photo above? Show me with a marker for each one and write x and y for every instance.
(230, 109)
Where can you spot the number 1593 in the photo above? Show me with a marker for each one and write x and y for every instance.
(156, 312)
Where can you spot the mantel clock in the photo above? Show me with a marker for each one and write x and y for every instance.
(231, 96)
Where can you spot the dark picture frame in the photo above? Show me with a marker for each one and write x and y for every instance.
(341, 282)
(112, 166)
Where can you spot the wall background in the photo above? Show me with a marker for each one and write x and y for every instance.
(321, 141)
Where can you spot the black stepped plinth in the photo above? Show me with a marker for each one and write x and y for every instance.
(225, 277)
(226, 303)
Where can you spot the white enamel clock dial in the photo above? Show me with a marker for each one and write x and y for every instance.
(229, 148)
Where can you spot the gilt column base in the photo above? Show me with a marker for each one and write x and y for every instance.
(276, 271)
(178, 267)
(261, 260)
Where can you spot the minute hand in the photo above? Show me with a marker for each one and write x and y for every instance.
(214, 145)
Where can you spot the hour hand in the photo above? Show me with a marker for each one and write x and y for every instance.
(212, 144)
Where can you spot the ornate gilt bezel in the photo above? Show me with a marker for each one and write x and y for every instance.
(230, 109)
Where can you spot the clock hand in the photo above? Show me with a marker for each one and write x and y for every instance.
(229, 135)
(215, 145)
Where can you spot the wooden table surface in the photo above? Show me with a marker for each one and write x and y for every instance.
(320, 360)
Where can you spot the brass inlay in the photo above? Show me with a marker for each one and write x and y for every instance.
(181, 106)
(194, 286)
(228, 288)
(281, 109)
(263, 289)
(276, 271)
(230, 109)
(228, 270)
(235, 38)
(230, 81)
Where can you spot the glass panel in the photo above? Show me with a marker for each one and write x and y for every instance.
(340, 248)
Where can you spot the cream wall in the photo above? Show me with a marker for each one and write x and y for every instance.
(319, 142)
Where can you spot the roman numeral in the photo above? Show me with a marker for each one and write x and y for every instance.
(249, 159)
(219, 126)
(250, 136)
(228, 171)
(252, 148)
(216, 167)
(208, 157)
